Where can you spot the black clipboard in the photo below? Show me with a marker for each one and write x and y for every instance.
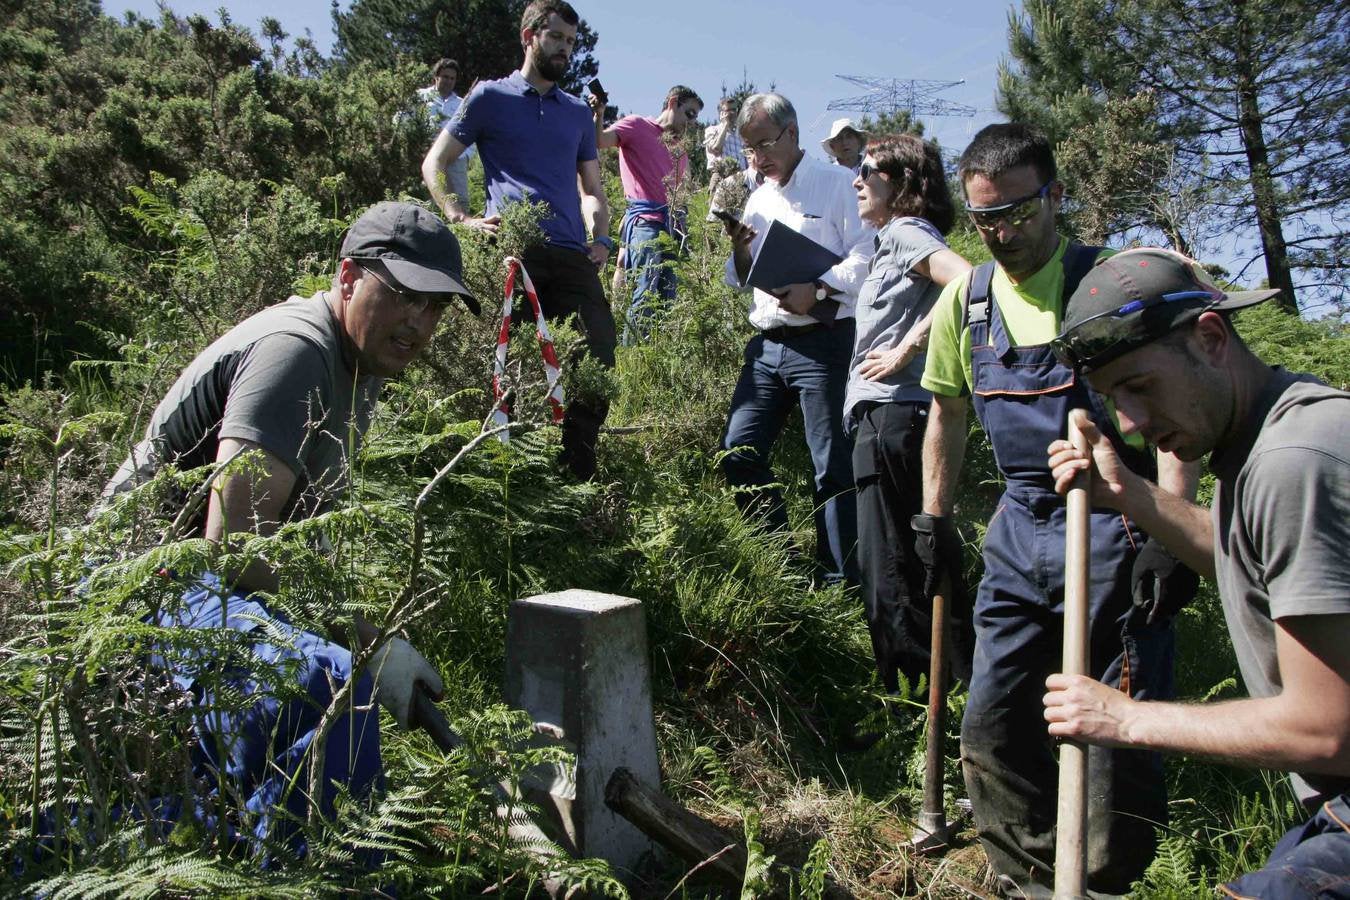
(788, 257)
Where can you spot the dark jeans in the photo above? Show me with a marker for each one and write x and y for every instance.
(1311, 862)
(810, 370)
(654, 284)
(888, 472)
(569, 289)
(1007, 755)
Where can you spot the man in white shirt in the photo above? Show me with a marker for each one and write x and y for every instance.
(442, 103)
(805, 342)
(721, 140)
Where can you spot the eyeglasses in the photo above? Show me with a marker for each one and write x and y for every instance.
(417, 302)
(765, 146)
(866, 171)
(1098, 339)
(987, 218)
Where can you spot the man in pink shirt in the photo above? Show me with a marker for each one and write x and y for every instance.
(652, 161)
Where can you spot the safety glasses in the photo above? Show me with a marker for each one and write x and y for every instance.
(418, 302)
(1097, 340)
(987, 218)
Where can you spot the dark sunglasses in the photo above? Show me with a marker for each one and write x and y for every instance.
(987, 218)
(1098, 339)
(866, 171)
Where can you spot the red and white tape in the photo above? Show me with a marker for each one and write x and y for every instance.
(502, 414)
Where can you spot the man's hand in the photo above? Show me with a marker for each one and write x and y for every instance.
(597, 106)
(1084, 709)
(397, 669)
(938, 547)
(879, 364)
(796, 298)
(488, 224)
(1112, 481)
(598, 253)
(1161, 583)
(741, 234)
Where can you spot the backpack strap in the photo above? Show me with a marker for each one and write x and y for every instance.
(1078, 261)
(976, 308)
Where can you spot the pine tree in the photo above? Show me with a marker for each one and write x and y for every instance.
(1248, 103)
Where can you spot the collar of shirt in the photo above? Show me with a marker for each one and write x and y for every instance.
(516, 81)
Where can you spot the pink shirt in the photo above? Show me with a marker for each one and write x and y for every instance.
(645, 160)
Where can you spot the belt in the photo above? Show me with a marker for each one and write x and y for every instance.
(778, 332)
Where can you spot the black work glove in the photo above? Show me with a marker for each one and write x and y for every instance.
(1161, 583)
(938, 547)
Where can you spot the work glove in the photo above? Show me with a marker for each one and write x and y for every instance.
(938, 548)
(1161, 583)
(397, 669)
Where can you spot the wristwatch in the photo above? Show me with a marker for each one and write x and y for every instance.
(605, 241)
(821, 291)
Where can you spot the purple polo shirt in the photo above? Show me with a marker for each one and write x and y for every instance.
(531, 145)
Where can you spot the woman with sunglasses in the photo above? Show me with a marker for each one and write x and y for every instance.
(902, 192)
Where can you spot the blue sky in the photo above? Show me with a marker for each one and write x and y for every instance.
(798, 45)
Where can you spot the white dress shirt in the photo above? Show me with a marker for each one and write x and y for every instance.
(440, 110)
(819, 202)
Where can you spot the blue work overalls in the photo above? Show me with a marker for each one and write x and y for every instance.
(1022, 397)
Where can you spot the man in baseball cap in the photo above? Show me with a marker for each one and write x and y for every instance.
(1152, 331)
(294, 385)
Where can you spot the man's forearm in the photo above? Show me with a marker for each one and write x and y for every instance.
(595, 212)
(1184, 528)
(740, 256)
(434, 166)
(1258, 732)
(944, 447)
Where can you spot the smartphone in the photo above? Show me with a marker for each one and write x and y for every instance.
(598, 90)
(726, 216)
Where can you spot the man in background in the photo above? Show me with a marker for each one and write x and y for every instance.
(538, 142)
(441, 104)
(804, 345)
(652, 164)
(845, 143)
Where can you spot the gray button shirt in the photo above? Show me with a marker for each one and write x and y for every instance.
(893, 299)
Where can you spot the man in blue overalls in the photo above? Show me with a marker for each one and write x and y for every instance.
(990, 344)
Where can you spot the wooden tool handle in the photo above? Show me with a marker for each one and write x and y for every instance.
(933, 816)
(1071, 836)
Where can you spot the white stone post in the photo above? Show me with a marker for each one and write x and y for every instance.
(578, 660)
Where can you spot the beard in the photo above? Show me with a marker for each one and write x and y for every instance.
(551, 67)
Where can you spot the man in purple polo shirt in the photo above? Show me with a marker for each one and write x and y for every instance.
(535, 140)
(652, 160)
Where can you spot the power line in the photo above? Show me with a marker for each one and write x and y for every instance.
(888, 95)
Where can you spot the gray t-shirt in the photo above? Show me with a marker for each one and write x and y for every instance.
(893, 299)
(1282, 527)
(281, 379)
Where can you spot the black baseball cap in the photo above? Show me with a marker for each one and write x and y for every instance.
(1135, 297)
(415, 247)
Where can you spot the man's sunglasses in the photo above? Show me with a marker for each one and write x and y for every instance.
(1099, 339)
(987, 218)
(438, 303)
